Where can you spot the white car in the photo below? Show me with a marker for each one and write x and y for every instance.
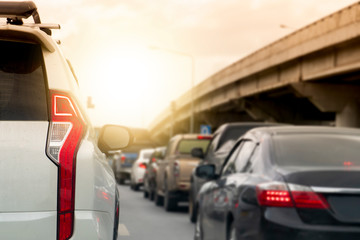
(139, 167)
(55, 181)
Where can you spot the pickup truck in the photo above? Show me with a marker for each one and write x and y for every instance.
(174, 171)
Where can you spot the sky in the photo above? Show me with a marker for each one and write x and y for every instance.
(123, 50)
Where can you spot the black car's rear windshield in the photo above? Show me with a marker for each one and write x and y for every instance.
(185, 146)
(317, 150)
(22, 83)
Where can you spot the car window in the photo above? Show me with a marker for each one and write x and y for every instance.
(226, 147)
(229, 167)
(22, 83)
(233, 134)
(244, 155)
(212, 145)
(317, 150)
(186, 145)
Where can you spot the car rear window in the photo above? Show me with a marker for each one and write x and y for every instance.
(22, 83)
(147, 154)
(317, 150)
(185, 146)
(131, 156)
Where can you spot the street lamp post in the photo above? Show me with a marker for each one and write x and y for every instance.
(192, 80)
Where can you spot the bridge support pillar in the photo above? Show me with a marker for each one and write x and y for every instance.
(349, 116)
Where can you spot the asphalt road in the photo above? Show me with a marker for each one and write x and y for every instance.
(140, 219)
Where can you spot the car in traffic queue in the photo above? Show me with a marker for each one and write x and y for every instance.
(55, 179)
(219, 147)
(139, 167)
(173, 177)
(151, 171)
(284, 183)
(122, 166)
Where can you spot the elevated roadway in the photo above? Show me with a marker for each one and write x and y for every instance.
(311, 76)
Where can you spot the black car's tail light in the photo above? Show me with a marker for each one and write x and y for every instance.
(65, 133)
(278, 194)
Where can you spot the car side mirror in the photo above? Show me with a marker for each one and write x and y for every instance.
(207, 171)
(114, 137)
(197, 152)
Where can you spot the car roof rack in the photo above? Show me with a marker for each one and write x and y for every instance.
(15, 12)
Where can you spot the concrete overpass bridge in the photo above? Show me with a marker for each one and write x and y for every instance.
(311, 76)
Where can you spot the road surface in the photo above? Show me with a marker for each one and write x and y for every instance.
(140, 219)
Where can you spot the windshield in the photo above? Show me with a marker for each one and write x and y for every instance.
(317, 150)
(22, 84)
(185, 146)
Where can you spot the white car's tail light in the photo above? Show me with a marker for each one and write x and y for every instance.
(278, 194)
(65, 133)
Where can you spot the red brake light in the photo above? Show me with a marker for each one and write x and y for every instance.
(274, 198)
(123, 158)
(142, 165)
(206, 137)
(278, 194)
(66, 130)
(309, 200)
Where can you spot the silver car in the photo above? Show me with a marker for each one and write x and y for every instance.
(55, 181)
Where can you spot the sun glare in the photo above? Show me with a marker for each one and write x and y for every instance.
(134, 84)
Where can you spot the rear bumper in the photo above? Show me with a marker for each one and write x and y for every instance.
(43, 225)
(93, 225)
(183, 186)
(28, 225)
(180, 196)
(285, 223)
(124, 173)
(274, 231)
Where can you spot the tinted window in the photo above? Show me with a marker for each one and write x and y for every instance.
(229, 167)
(318, 150)
(231, 135)
(213, 143)
(245, 153)
(185, 146)
(22, 84)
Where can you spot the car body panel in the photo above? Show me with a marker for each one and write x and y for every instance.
(29, 199)
(93, 225)
(25, 187)
(137, 172)
(232, 198)
(151, 171)
(178, 184)
(223, 140)
(28, 225)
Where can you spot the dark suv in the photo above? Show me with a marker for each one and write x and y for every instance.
(222, 142)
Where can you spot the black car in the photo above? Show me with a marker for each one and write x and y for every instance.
(151, 170)
(284, 183)
(223, 140)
